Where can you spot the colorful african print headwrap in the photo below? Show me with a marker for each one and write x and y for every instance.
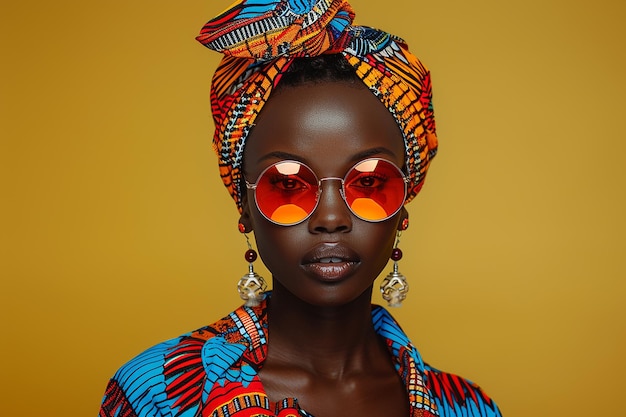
(261, 38)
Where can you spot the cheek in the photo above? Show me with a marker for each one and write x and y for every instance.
(381, 238)
(386, 240)
(278, 245)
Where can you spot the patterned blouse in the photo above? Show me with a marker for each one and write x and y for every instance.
(213, 372)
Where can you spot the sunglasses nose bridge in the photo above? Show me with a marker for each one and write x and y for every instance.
(331, 213)
(320, 188)
(340, 189)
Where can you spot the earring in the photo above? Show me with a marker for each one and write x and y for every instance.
(395, 287)
(251, 286)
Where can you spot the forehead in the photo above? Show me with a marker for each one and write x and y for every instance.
(321, 124)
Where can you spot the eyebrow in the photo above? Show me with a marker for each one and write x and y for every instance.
(368, 153)
(280, 155)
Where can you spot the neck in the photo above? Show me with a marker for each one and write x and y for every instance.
(326, 340)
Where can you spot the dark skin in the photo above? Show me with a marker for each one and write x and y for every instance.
(323, 349)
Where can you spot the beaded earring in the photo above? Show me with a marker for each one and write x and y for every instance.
(395, 287)
(251, 286)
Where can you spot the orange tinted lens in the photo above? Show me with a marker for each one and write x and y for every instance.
(375, 189)
(286, 192)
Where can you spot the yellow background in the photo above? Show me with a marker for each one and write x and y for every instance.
(117, 233)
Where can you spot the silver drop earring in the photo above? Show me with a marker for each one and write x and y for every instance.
(251, 286)
(395, 287)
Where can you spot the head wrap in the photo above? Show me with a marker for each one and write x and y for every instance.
(261, 38)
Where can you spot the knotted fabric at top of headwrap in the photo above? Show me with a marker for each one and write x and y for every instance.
(261, 38)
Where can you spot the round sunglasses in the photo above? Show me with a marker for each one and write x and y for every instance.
(287, 192)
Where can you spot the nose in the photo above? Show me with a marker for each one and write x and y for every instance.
(332, 214)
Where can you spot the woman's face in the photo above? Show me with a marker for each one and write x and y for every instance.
(332, 257)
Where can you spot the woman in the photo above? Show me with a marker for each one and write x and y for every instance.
(324, 131)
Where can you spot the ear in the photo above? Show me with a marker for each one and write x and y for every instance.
(403, 222)
(245, 218)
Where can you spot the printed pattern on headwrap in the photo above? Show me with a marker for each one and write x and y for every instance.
(402, 83)
(261, 38)
(213, 372)
(265, 30)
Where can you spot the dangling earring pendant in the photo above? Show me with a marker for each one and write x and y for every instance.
(395, 287)
(251, 286)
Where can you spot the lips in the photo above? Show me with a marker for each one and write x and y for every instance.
(330, 262)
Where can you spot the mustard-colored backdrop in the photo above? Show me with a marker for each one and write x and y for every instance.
(117, 233)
